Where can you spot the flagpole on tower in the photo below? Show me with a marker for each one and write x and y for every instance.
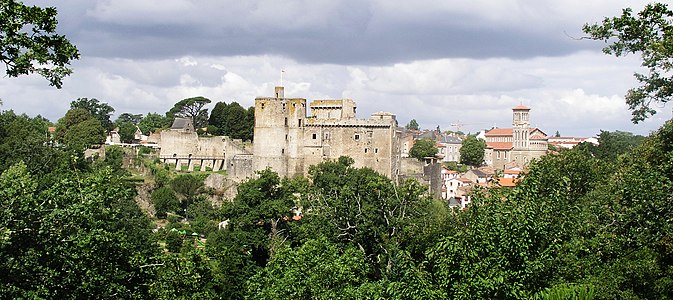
(281, 76)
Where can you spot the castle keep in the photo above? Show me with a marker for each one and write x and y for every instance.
(289, 141)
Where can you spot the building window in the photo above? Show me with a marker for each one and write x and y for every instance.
(262, 105)
(497, 154)
(314, 136)
(299, 123)
(286, 137)
(282, 151)
(376, 150)
(366, 150)
(283, 105)
(357, 137)
(285, 121)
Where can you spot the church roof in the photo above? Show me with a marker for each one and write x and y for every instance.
(508, 131)
(499, 145)
(520, 107)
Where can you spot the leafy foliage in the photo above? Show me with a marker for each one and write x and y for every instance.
(232, 120)
(190, 108)
(99, 110)
(413, 125)
(472, 151)
(423, 148)
(151, 122)
(649, 33)
(78, 129)
(29, 43)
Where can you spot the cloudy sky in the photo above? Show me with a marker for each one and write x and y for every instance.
(439, 62)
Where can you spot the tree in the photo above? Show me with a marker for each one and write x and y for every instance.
(52, 239)
(413, 125)
(233, 120)
(190, 108)
(165, 201)
(472, 151)
(128, 117)
(29, 43)
(649, 33)
(24, 139)
(99, 110)
(188, 186)
(218, 118)
(318, 269)
(151, 122)
(78, 129)
(612, 144)
(423, 148)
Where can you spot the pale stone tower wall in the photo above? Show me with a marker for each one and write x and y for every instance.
(520, 127)
(279, 123)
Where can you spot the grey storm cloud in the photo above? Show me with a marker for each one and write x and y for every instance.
(349, 32)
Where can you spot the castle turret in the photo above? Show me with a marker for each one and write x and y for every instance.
(278, 134)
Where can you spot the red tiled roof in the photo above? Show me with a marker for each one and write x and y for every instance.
(499, 145)
(512, 171)
(51, 129)
(520, 107)
(508, 132)
(499, 132)
(507, 182)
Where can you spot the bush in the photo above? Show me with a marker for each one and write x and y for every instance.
(165, 201)
(173, 241)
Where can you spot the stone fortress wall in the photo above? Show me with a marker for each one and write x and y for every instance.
(289, 141)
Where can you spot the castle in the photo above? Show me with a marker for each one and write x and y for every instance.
(289, 141)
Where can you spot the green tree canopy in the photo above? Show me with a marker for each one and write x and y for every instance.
(99, 110)
(78, 129)
(151, 122)
(190, 108)
(29, 43)
(233, 120)
(649, 33)
(423, 148)
(472, 151)
(412, 125)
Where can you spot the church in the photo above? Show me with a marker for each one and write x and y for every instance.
(516, 146)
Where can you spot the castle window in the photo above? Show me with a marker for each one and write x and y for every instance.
(376, 150)
(282, 151)
(262, 105)
(283, 105)
(286, 137)
(357, 137)
(285, 121)
(366, 150)
(299, 123)
(314, 136)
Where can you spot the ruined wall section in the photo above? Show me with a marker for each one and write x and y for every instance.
(372, 143)
(182, 149)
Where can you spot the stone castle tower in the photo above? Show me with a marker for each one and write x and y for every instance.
(279, 133)
(520, 127)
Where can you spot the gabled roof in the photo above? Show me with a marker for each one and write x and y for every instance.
(509, 132)
(499, 145)
(182, 124)
(520, 107)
